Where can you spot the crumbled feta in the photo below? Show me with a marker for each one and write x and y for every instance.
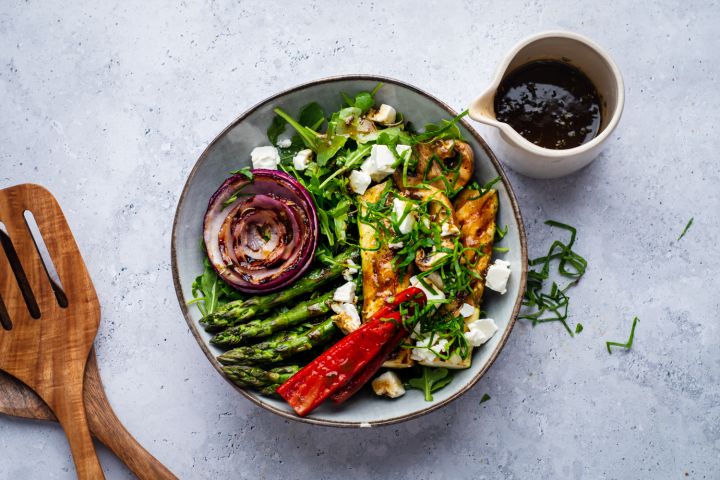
(284, 142)
(345, 293)
(381, 161)
(347, 318)
(265, 157)
(396, 245)
(302, 159)
(480, 331)
(388, 384)
(449, 230)
(350, 271)
(435, 295)
(359, 181)
(404, 215)
(425, 352)
(497, 276)
(385, 114)
(466, 310)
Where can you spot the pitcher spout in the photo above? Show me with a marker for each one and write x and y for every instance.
(482, 109)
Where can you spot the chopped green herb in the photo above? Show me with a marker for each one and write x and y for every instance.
(432, 380)
(484, 398)
(629, 343)
(578, 328)
(687, 227)
(552, 306)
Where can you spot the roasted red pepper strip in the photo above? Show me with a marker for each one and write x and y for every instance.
(348, 358)
(356, 383)
(322, 377)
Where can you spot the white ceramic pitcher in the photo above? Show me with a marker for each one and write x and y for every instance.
(521, 154)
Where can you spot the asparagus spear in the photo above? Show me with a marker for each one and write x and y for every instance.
(277, 351)
(241, 311)
(263, 328)
(270, 389)
(256, 377)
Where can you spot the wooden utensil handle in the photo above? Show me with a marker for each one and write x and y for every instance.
(71, 415)
(109, 430)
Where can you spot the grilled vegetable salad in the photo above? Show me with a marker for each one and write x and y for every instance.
(396, 238)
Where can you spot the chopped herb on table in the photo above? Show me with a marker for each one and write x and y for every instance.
(552, 306)
(687, 227)
(627, 345)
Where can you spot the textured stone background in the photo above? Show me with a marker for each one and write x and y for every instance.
(109, 104)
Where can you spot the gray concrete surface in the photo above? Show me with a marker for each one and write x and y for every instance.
(109, 104)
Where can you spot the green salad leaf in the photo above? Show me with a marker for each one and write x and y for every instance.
(432, 380)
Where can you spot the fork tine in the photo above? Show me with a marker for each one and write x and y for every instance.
(60, 243)
(12, 207)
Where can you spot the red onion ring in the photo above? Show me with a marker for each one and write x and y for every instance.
(261, 235)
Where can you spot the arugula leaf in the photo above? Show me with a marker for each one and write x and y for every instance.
(311, 115)
(247, 171)
(364, 101)
(445, 130)
(432, 380)
(206, 289)
(276, 128)
(325, 146)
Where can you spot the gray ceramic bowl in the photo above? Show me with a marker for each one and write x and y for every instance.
(231, 150)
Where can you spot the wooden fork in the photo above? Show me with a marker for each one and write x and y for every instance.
(47, 329)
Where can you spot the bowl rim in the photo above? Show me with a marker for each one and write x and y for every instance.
(333, 423)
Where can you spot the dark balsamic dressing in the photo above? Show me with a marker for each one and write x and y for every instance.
(550, 103)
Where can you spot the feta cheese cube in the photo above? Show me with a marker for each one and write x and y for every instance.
(466, 310)
(426, 352)
(345, 293)
(404, 215)
(480, 331)
(302, 159)
(385, 114)
(381, 161)
(497, 276)
(388, 384)
(350, 271)
(265, 157)
(347, 318)
(396, 245)
(435, 295)
(284, 142)
(359, 181)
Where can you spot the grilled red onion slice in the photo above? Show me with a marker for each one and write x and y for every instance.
(261, 235)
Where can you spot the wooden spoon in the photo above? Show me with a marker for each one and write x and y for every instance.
(48, 336)
(18, 400)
